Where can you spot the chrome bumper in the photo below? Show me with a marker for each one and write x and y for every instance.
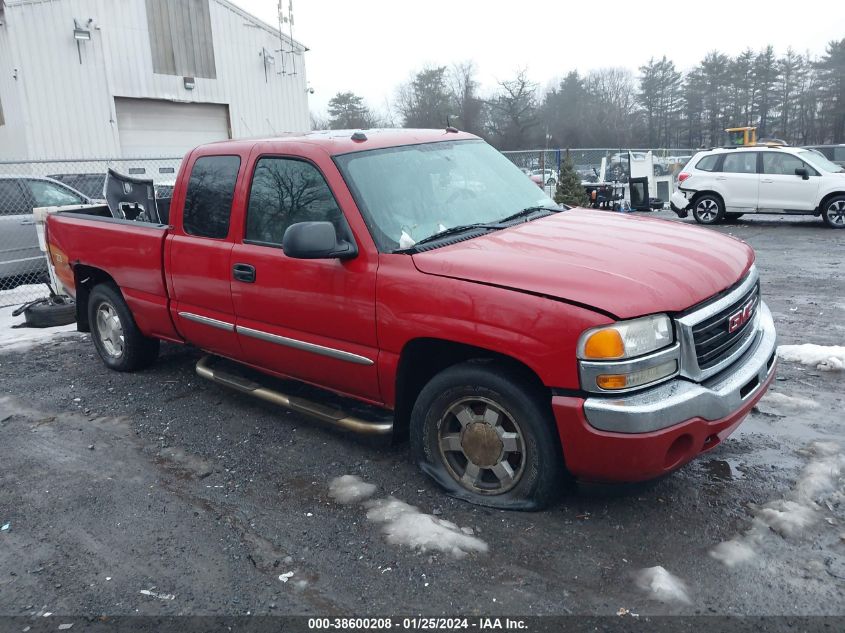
(679, 400)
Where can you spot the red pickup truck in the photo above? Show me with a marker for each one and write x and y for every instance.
(415, 282)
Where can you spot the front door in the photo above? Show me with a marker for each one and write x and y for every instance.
(313, 320)
(782, 189)
(197, 257)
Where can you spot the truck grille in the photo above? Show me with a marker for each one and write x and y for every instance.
(713, 337)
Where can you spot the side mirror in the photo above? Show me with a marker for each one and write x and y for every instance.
(803, 172)
(316, 240)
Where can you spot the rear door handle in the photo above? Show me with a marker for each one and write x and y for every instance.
(244, 273)
(767, 180)
(721, 177)
(27, 222)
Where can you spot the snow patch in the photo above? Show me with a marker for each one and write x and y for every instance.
(822, 357)
(791, 516)
(733, 552)
(662, 585)
(350, 489)
(18, 339)
(404, 524)
(779, 404)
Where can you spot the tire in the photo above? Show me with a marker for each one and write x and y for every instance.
(116, 336)
(487, 413)
(833, 212)
(708, 209)
(551, 182)
(59, 311)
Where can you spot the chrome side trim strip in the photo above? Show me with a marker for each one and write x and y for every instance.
(306, 347)
(220, 325)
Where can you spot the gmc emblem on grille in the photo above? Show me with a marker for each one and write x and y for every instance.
(741, 317)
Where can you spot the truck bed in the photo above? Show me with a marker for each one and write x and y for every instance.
(130, 252)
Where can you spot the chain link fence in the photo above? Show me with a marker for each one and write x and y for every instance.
(25, 185)
(546, 162)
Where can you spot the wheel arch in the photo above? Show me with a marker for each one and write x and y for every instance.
(707, 192)
(827, 198)
(423, 358)
(85, 278)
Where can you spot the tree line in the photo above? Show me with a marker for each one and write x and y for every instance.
(795, 97)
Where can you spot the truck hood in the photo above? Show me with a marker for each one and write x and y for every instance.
(626, 266)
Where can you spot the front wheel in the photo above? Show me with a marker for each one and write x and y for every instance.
(118, 341)
(833, 212)
(708, 210)
(485, 434)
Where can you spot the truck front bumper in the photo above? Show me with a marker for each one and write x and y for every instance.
(645, 435)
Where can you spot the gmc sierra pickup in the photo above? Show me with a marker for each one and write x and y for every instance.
(415, 282)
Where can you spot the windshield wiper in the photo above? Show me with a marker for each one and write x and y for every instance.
(462, 228)
(528, 211)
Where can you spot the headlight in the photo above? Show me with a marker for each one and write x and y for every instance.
(628, 354)
(626, 339)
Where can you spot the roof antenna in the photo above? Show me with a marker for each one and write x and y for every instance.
(449, 127)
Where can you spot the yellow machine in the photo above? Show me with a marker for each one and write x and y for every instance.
(738, 136)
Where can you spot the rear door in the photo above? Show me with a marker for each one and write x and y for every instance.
(19, 251)
(313, 320)
(198, 250)
(781, 189)
(739, 181)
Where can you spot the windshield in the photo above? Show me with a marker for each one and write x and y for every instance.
(819, 161)
(410, 193)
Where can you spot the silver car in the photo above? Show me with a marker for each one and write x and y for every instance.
(19, 251)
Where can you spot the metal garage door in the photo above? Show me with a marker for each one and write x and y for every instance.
(151, 127)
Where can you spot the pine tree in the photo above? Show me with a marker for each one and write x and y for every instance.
(569, 189)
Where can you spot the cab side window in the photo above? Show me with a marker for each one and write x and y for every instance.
(208, 201)
(740, 163)
(286, 191)
(784, 164)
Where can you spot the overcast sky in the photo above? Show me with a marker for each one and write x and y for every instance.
(371, 46)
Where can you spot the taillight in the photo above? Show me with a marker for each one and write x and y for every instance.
(683, 176)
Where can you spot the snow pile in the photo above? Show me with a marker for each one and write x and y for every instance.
(779, 404)
(350, 489)
(789, 517)
(18, 339)
(662, 585)
(404, 524)
(733, 552)
(823, 357)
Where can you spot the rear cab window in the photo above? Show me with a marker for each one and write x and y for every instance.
(208, 200)
(285, 191)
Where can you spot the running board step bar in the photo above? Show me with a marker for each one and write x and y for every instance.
(330, 415)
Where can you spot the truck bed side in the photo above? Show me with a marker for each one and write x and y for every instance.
(131, 253)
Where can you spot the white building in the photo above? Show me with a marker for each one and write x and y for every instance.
(130, 78)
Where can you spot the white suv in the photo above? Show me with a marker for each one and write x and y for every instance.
(725, 183)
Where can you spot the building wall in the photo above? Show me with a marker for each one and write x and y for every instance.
(65, 109)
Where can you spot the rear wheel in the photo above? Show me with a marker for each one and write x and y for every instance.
(486, 435)
(833, 212)
(116, 337)
(708, 209)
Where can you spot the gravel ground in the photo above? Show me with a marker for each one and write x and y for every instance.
(158, 493)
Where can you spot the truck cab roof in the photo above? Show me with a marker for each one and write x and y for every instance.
(336, 142)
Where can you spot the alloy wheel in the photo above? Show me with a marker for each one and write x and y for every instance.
(836, 212)
(110, 330)
(707, 210)
(481, 445)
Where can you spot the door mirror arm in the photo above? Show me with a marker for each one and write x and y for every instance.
(803, 172)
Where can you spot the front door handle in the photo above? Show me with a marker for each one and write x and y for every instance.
(768, 180)
(244, 273)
